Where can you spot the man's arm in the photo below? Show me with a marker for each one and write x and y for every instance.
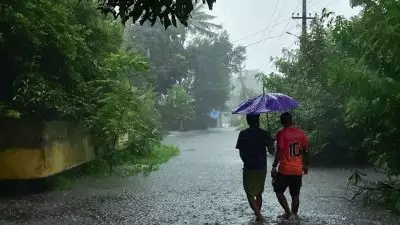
(239, 142)
(270, 143)
(239, 145)
(274, 170)
(305, 154)
(305, 159)
(241, 153)
(276, 160)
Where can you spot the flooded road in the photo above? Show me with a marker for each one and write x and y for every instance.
(201, 186)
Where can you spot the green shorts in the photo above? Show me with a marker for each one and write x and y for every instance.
(253, 181)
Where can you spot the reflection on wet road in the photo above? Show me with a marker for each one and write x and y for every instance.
(201, 186)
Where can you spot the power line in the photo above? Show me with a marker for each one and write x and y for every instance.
(280, 12)
(276, 21)
(265, 28)
(260, 31)
(268, 26)
(283, 31)
(262, 40)
(273, 13)
(256, 42)
(304, 17)
(288, 21)
(267, 38)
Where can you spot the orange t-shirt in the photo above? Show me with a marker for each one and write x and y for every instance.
(291, 142)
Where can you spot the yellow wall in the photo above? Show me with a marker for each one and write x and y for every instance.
(21, 164)
(64, 155)
(64, 146)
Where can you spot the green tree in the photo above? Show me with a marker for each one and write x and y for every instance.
(179, 107)
(165, 52)
(372, 90)
(212, 61)
(199, 23)
(49, 50)
(62, 61)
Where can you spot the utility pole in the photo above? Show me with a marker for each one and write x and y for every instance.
(304, 19)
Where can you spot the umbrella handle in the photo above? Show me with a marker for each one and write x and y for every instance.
(269, 128)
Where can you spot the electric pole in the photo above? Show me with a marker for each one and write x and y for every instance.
(304, 19)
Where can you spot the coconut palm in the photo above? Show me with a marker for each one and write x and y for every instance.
(200, 23)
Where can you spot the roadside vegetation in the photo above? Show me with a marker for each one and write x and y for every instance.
(346, 76)
(126, 85)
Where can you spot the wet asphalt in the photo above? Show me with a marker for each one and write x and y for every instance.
(200, 186)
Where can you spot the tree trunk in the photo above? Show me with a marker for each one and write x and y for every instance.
(181, 127)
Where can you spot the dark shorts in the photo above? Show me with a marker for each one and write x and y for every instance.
(281, 182)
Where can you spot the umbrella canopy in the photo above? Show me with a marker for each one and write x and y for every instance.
(267, 102)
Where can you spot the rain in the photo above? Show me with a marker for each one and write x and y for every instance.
(175, 112)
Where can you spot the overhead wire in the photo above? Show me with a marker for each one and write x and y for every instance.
(275, 24)
(284, 30)
(310, 1)
(260, 31)
(267, 27)
(263, 29)
(322, 2)
(273, 13)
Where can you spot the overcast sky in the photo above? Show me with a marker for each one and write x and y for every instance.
(259, 22)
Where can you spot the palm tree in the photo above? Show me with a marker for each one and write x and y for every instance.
(200, 23)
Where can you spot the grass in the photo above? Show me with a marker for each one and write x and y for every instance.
(135, 163)
(129, 164)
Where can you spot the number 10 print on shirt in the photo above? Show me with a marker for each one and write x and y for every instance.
(295, 149)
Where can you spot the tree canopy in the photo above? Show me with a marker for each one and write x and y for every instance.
(346, 78)
(62, 60)
(169, 12)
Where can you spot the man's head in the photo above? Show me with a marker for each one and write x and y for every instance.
(286, 119)
(253, 120)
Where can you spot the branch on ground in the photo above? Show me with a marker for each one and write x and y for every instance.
(372, 191)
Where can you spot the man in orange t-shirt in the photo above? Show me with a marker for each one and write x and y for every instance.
(292, 157)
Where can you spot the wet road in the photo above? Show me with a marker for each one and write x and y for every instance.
(201, 186)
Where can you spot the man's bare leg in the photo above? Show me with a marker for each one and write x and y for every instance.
(259, 200)
(249, 197)
(255, 206)
(283, 202)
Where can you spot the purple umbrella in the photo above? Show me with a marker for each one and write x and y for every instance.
(268, 102)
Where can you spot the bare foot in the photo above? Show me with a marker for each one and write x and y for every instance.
(286, 215)
(260, 218)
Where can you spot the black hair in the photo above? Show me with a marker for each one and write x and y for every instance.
(286, 119)
(253, 120)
